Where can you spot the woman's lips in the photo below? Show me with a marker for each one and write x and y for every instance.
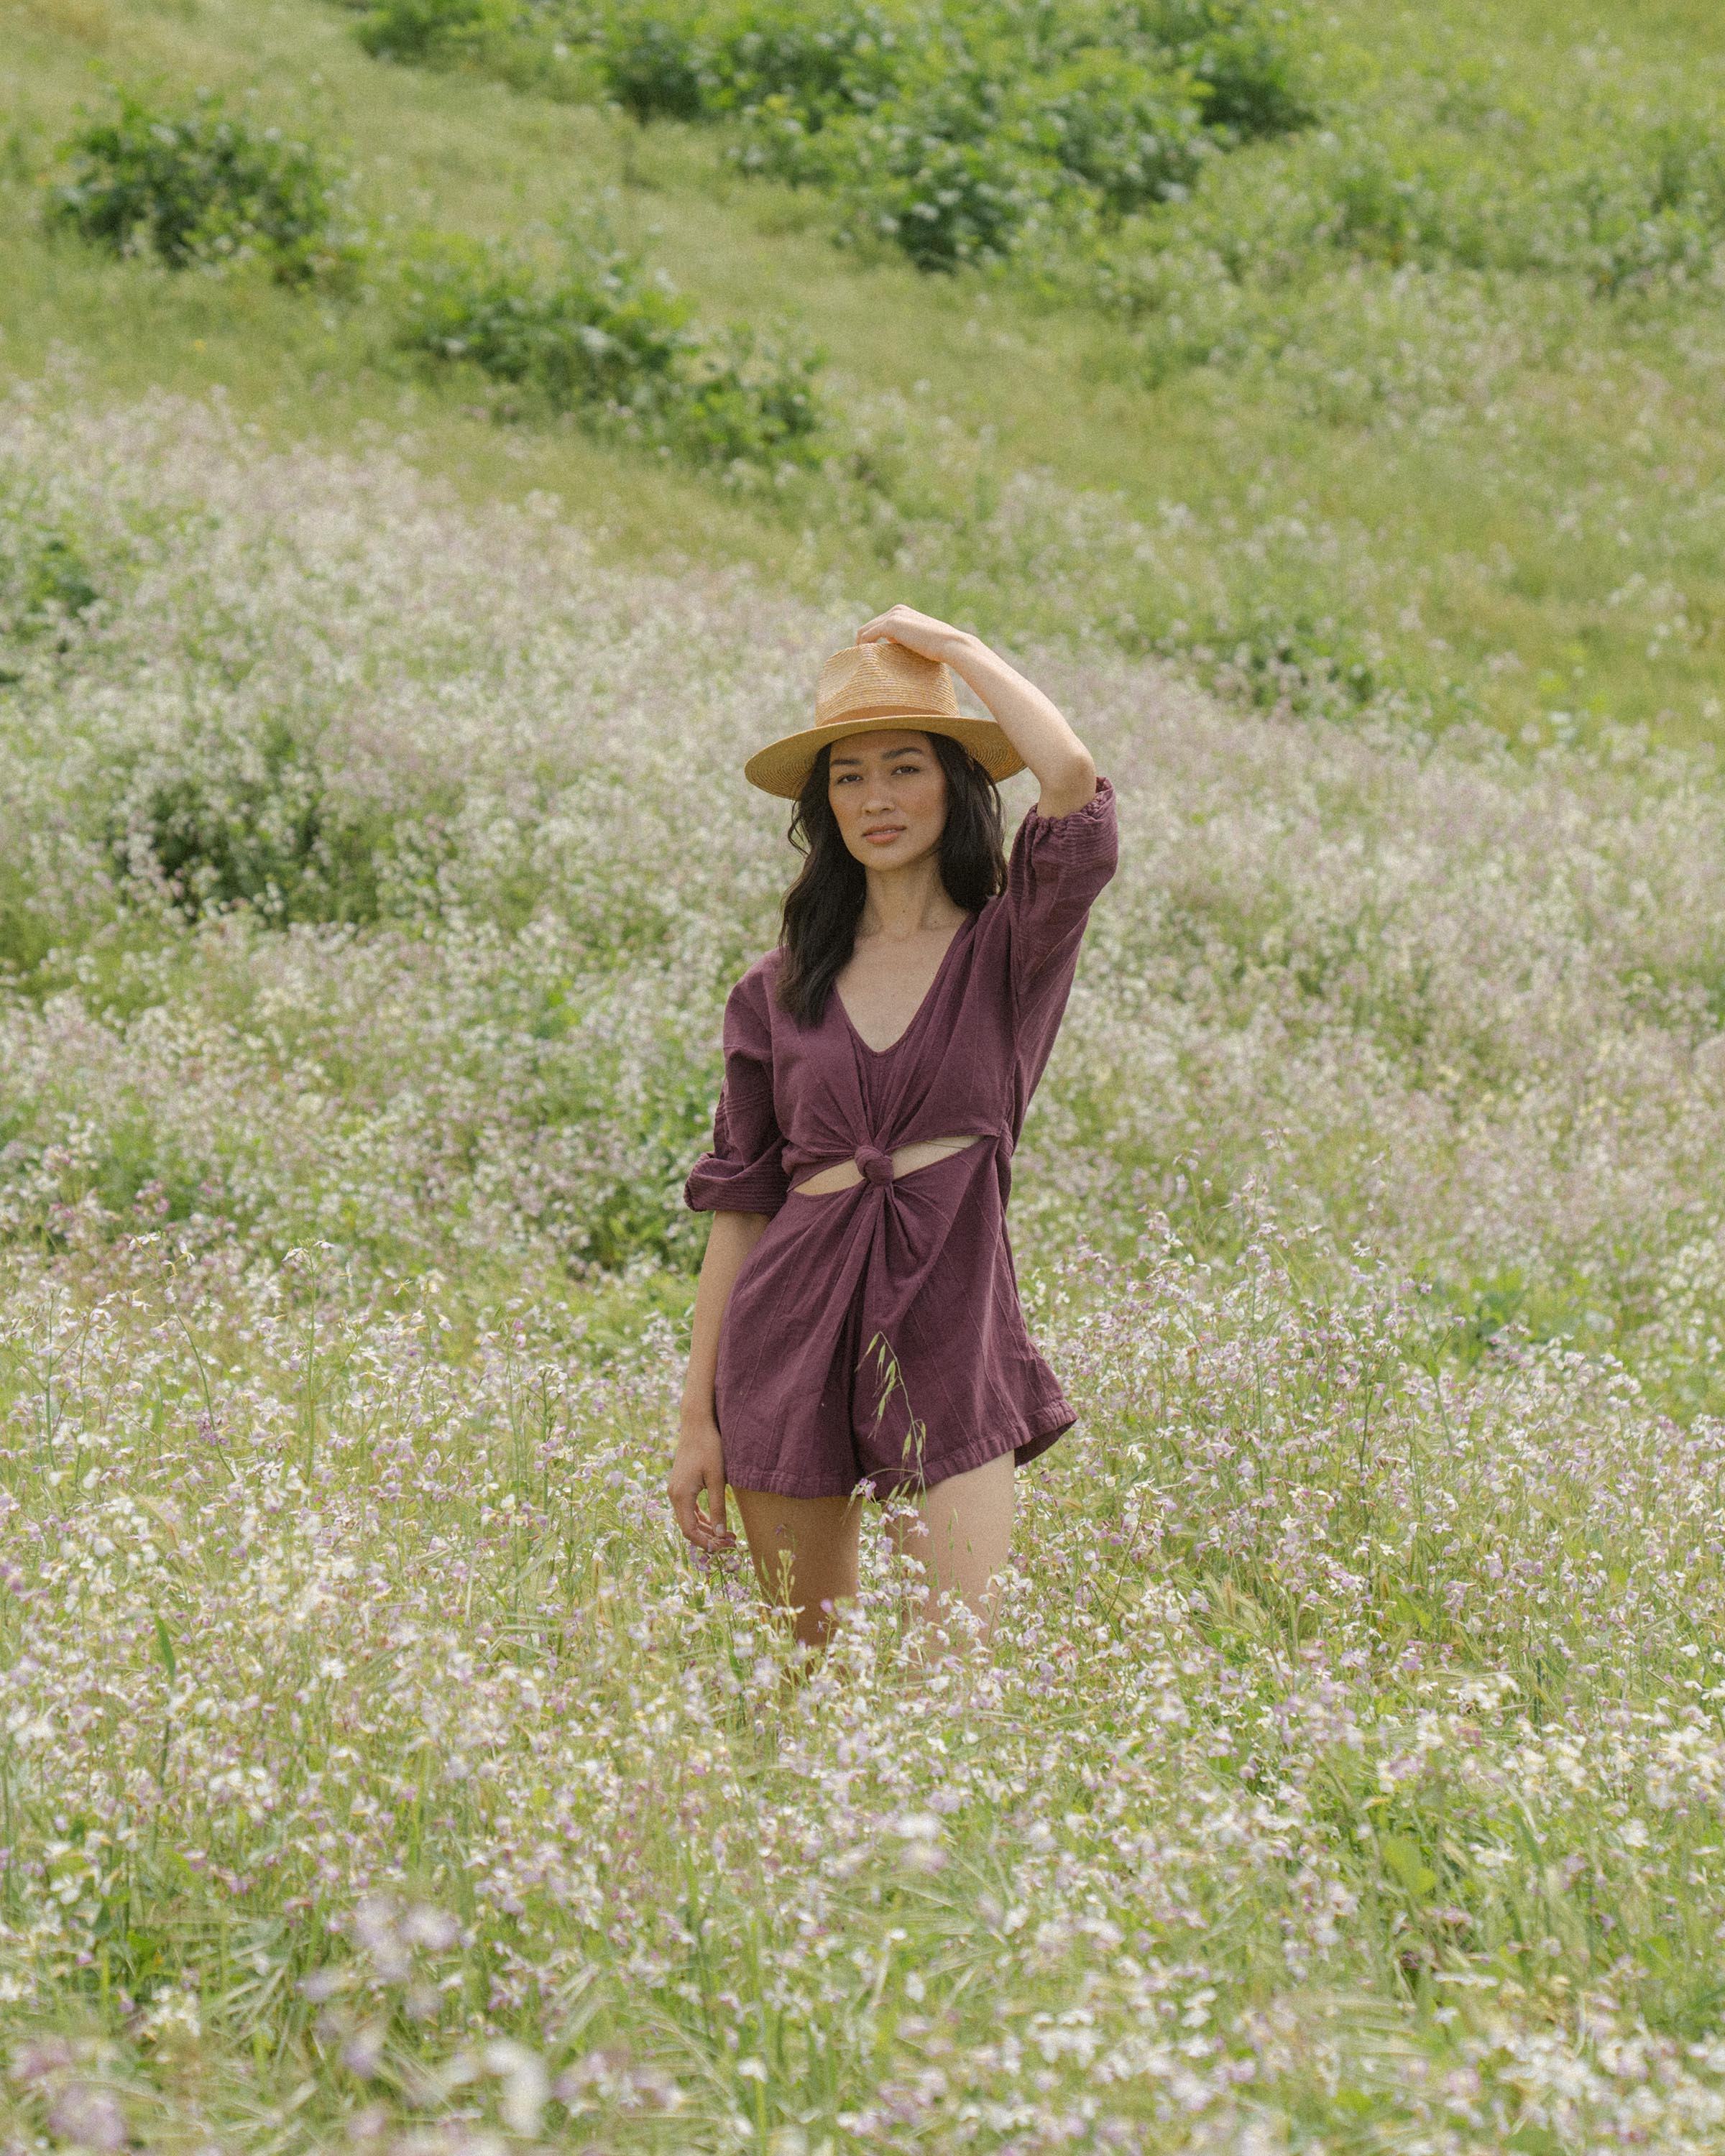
(885, 835)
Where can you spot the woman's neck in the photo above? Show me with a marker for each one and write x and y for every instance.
(907, 901)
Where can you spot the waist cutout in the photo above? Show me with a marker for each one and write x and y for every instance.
(871, 1165)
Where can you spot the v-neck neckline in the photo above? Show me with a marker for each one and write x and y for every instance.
(967, 923)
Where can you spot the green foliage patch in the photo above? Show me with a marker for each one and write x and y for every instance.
(955, 132)
(253, 824)
(603, 338)
(1242, 52)
(198, 188)
(952, 129)
(434, 32)
(1615, 207)
(47, 585)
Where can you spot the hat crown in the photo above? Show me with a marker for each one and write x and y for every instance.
(882, 677)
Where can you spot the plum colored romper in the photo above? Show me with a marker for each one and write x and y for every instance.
(875, 1334)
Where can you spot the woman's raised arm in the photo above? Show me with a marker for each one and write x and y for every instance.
(1063, 768)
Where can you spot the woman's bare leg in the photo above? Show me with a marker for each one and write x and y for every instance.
(961, 1531)
(804, 1550)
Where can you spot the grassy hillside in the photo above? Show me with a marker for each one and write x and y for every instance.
(376, 1770)
(1411, 411)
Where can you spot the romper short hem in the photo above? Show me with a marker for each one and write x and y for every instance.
(884, 1482)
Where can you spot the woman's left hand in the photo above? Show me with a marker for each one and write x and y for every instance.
(919, 632)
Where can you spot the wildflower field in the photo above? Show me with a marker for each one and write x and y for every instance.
(378, 1772)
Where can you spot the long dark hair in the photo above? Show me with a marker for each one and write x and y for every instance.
(823, 906)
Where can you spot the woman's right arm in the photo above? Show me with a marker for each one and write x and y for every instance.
(699, 1466)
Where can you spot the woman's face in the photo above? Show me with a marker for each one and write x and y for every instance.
(889, 793)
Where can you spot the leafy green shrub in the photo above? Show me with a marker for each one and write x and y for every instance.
(965, 161)
(1135, 136)
(946, 203)
(1392, 211)
(601, 333)
(435, 33)
(602, 338)
(660, 59)
(528, 46)
(1188, 311)
(940, 172)
(776, 141)
(847, 58)
(250, 823)
(1238, 51)
(655, 65)
(746, 401)
(196, 187)
(1660, 212)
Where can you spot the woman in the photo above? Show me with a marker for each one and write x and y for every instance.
(857, 1325)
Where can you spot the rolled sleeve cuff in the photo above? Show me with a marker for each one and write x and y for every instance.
(1088, 830)
(730, 1186)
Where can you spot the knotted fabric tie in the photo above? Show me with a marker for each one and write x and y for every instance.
(876, 1165)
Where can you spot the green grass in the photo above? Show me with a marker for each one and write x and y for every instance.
(1462, 493)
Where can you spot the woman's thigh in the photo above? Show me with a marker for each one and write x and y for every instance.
(804, 1550)
(962, 1533)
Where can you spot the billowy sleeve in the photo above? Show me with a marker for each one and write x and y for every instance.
(1058, 867)
(744, 1173)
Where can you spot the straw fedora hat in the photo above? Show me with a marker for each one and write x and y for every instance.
(878, 688)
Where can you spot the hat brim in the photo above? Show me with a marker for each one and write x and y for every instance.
(783, 766)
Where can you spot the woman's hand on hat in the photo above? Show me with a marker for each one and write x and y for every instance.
(919, 632)
(1065, 769)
